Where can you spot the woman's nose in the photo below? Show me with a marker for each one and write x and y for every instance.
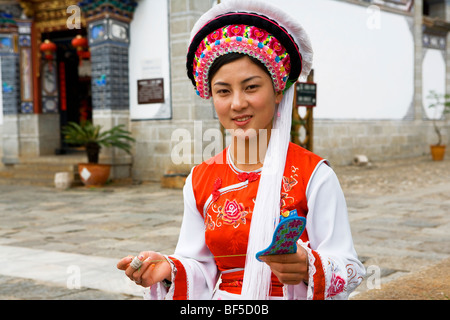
(239, 101)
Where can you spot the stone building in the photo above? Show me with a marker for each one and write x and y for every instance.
(375, 63)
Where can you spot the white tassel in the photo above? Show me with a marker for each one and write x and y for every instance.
(266, 213)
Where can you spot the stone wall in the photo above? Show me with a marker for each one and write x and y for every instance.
(339, 141)
(39, 134)
(336, 140)
(152, 158)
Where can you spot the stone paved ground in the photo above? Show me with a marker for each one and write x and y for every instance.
(400, 213)
(398, 210)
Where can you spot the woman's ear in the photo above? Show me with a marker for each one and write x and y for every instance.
(278, 97)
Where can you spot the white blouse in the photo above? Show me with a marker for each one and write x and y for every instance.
(329, 237)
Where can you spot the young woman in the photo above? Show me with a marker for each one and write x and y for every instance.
(246, 55)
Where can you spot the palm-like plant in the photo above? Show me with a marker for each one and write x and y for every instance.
(440, 100)
(93, 139)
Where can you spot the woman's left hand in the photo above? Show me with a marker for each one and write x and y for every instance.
(289, 268)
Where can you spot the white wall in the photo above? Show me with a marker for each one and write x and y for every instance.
(433, 78)
(363, 62)
(149, 56)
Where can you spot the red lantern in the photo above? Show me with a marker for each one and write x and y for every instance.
(81, 44)
(48, 47)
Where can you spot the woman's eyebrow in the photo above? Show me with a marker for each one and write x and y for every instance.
(250, 79)
(222, 83)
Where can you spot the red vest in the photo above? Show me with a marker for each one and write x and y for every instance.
(225, 198)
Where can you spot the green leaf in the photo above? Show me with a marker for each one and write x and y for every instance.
(88, 133)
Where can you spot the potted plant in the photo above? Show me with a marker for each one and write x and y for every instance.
(439, 100)
(93, 139)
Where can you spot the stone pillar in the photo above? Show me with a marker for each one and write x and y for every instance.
(109, 33)
(418, 57)
(39, 133)
(10, 97)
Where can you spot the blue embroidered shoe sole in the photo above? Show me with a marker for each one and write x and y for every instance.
(286, 235)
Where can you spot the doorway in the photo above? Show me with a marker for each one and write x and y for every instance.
(74, 83)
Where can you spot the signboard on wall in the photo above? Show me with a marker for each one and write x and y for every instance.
(150, 91)
(306, 94)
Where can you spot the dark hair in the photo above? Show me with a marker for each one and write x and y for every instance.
(231, 57)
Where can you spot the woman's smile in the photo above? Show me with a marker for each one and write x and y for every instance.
(243, 120)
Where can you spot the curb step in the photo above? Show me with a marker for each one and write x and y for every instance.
(40, 171)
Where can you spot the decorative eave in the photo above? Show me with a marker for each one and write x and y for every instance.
(48, 15)
(119, 9)
(7, 23)
(435, 26)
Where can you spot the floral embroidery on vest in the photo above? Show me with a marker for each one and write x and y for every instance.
(232, 213)
(287, 185)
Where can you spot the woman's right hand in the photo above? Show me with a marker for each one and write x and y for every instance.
(155, 268)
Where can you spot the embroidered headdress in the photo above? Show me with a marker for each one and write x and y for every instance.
(252, 28)
(265, 32)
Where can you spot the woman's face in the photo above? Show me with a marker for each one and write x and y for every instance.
(244, 98)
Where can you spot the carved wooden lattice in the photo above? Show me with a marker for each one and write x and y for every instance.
(302, 124)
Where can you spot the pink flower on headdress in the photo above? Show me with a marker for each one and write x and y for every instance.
(258, 34)
(216, 35)
(200, 49)
(276, 46)
(287, 64)
(236, 30)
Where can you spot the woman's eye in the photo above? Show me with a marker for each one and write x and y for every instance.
(252, 87)
(222, 91)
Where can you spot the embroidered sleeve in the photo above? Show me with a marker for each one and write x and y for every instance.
(334, 268)
(328, 280)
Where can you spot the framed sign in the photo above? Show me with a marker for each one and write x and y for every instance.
(150, 91)
(306, 94)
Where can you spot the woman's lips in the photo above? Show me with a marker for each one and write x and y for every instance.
(242, 120)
